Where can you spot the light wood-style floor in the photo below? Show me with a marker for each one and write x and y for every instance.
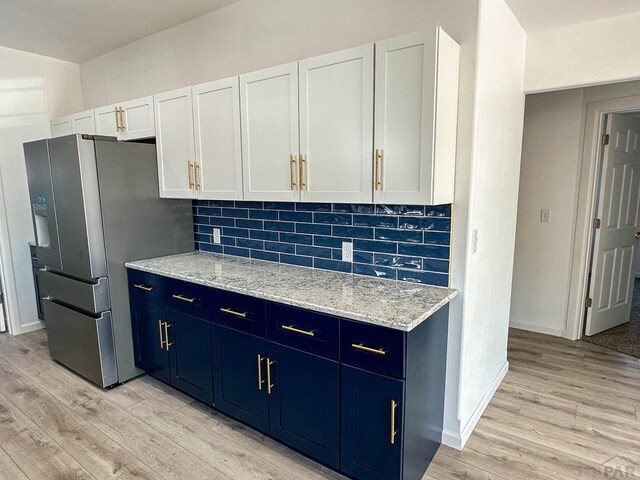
(563, 409)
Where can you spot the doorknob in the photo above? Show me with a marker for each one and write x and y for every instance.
(637, 235)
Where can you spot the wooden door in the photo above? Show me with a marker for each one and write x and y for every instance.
(83, 122)
(240, 376)
(216, 115)
(372, 425)
(61, 126)
(107, 122)
(336, 133)
(612, 270)
(150, 352)
(304, 404)
(269, 120)
(175, 144)
(138, 119)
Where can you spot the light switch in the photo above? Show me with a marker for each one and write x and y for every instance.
(545, 215)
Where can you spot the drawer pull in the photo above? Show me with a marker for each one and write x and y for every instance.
(142, 286)
(394, 432)
(233, 312)
(260, 380)
(184, 299)
(291, 328)
(377, 351)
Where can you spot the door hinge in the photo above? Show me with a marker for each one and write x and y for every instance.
(1, 298)
(605, 139)
(596, 223)
(588, 302)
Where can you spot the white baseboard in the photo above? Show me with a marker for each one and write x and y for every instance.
(29, 327)
(530, 327)
(458, 440)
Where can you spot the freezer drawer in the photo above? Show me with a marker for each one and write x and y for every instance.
(81, 342)
(91, 296)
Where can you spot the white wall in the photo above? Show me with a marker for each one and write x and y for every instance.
(498, 119)
(590, 53)
(32, 89)
(551, 159)
(253, 34)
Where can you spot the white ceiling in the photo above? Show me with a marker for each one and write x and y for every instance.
(538, 15)
(77, 30)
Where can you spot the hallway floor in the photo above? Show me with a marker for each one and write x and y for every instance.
(564, 409)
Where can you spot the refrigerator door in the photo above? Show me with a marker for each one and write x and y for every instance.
(77, 206)
(82, 342)
(43, 205)
(90, 296)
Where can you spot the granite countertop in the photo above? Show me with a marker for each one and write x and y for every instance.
(392, 304)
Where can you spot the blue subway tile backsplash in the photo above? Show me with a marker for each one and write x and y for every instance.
(398, 242)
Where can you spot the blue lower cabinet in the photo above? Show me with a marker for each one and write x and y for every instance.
(240, 376)
(304, 403)
(372, 425)
(150, 351)
(190, 355)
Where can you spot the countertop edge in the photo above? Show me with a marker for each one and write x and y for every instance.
(309, 306)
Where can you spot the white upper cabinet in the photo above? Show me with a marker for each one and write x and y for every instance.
(128, 120)
(269, 119)
(61, 126)
(416, 110)
(216, 118)
(336, 134)
(83, 122)
(175, 146)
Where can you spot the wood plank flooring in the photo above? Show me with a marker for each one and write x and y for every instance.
(563, 410)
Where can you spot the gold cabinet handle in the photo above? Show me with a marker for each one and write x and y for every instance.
(233, 312)
(291, 328)
(378, 351)
(303, 160)
(183, 298)
(166, 335)
(197, 174)
(123, 125)
(292, 168)
(190, 173)
(117, 113)
(394, 432)
(160, 331)
(376, 182)
(269, 384)
(142, 286)
(260, 380)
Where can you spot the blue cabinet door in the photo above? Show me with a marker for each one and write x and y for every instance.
(304, 404)
(240, 375)
(372, 405)
(150, 354)
(190, 355)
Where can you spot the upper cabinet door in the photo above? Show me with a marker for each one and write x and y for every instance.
(175, 144)
(108, 121)
(269, 119)
(137, 118)
(416, 107)
(83, 122)
(216, 116)
(61, 126)
(336, 117)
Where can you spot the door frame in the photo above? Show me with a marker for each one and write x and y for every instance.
(586, 203)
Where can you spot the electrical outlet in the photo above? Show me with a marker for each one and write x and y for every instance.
(347, 252)
(545, 215)
(216, 235)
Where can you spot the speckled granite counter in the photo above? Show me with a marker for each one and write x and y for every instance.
(398, 305)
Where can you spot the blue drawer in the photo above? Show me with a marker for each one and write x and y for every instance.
(373, 348)
(240, 312)
(186, 297)
(305, 330)
(146, 286)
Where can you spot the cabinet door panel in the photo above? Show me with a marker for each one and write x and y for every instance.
(304, 405)
(336, 134)
(269, 119)
(106, 121)
(174, 143)
(149, 353)
(83, 122)
(216, 114)
(238, 391)
(190, 355)
(138, 118)
(367, 451)
(60, 127)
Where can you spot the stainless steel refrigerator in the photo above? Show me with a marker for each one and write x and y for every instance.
(95, 206)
